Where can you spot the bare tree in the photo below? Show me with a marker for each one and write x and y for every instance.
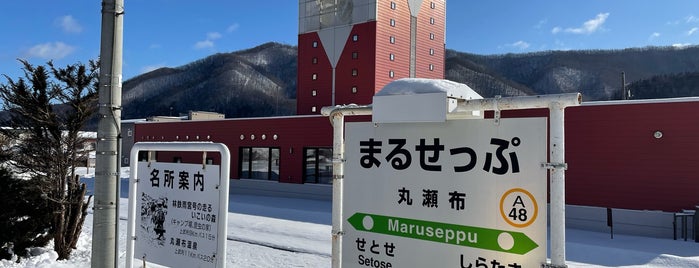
(47, 109)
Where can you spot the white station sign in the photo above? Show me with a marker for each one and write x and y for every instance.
(462, 193)
(177, 218)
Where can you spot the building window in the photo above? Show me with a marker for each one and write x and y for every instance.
(432, 5)
(177, 159)
(315, 43)
(431, 20)
(355, 55)
(431, 36)
(355, 72)
(431, 67)
(393, 5)
(391, 57)
(313, 109)
(392, 39)
(354, 90)
(315, 77)
(355, 38)
(315, 60)
(314, 93)
(259, 163)
(393, 23)
(431, 51)
(317, 165)
(390, 74)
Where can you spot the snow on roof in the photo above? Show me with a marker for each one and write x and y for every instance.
(409, 86)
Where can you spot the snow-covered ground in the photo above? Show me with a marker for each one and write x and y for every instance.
(281, 232)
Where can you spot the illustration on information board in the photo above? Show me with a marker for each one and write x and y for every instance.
(153, 213)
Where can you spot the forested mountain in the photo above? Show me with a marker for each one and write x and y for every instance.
(256, 82)
(595, 73)
(666, 86)
(262, 81)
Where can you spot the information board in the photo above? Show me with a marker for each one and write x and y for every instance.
(178, 217)
(462, 193)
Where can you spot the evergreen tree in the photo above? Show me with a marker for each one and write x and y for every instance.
(48, 108)
(25, 219)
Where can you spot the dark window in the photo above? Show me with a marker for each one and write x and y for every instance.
(177, 159)
(354, 89)
(432, 5)
(431, 51)
(431, 36)
(390, 74)
(318, 166)
(431, 20)
(355, 55)
(314, 77)
(392, 40)
(259, 163)
(355, 38)
(393, 5)
(143, 155)
(315, 43)
(391, 57)
(354, 72)
(393, 22)
(315, 60)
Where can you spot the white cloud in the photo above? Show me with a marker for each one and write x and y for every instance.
(51, 51)
(588, 27)
(213, 36)
(234, 27)
(204, 44)
(519, 45)
(69, 25)
(692, 31)
(654, 35)
(691, 19)
(208, 42)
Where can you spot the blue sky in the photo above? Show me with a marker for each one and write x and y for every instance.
(171, 33)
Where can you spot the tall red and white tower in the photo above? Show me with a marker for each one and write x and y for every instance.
(350, 49)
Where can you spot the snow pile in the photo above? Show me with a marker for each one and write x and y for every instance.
(409, 86)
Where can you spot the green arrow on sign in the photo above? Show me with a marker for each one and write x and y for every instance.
(459, 235)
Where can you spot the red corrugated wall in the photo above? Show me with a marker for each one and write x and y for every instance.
(615, 161)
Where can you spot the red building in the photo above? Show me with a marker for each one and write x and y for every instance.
(348, 50)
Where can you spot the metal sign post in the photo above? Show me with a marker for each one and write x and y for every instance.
(183, 208)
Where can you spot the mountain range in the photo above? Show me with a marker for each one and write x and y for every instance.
(261, 81)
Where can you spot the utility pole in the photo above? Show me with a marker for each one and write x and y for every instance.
(105, 219)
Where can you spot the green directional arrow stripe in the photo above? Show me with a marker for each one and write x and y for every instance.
(453, 234)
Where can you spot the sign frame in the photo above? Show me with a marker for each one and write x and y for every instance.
(387, 203)
(224, 177)
(555, 103)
